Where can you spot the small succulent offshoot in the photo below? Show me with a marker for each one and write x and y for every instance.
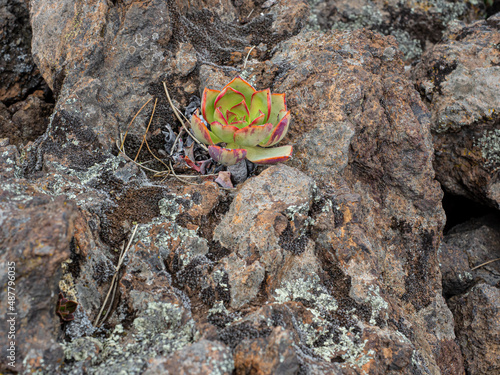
(243, 123)
(66, 308)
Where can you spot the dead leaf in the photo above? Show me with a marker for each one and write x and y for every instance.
(224, 180)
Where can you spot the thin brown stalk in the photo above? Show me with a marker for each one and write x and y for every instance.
(114, 279)
(485, 263)
(140, 165)
(180, 179)
(179, 118)
(147, 129)
(157, 158)
(137, 114)
(246, 58)
(174, 146)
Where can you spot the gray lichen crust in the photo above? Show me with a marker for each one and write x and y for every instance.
(160, 330)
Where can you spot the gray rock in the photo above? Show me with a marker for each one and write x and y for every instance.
(203, 357)
(466, 246)
(239, 172)
(459, 79)
(415, 25)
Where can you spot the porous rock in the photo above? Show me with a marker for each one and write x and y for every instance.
(414, 24)
(341, 277)
(369, 147)
(477, 317)
(25, 120)
(18, 73)
(203, 358)
(459, 81)
(34, 242)
(467, 246)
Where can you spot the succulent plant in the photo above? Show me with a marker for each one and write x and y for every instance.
(242, 123)
(66, 308)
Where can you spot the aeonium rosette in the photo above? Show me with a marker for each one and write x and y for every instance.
(247, 121)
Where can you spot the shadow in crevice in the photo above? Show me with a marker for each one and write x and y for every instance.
(460, 209)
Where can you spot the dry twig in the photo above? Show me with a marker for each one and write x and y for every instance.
(137, 114)
(179, 118)
(246, 58)
(147, 129)
(114, 281)
(484, 264)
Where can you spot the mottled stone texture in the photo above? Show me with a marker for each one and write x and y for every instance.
(416, 25)
(477, 315)
(34, 240)
(18, 73)
(326, 265)
(24, 109)
(460, 79)
(26, 120)
(467, 246)
(470, 263)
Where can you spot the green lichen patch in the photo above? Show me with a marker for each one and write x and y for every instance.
(160, 330)
(306, 290)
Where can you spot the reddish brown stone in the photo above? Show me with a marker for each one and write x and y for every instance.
(477, 316)
(36, 235)
(267, 356)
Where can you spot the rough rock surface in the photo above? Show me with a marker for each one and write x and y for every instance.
(414, 24)
(326, 265)
(26, 120)
(24, 97)
(361, 131)
(460, 79)
(467, 246)
(18, 73)
(34, 241)
(477, 317)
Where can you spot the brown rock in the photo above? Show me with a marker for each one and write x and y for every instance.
(459, 80)
(25, 120)
(361, 130)
(271, 355)
(251, 228)
(34, 241)
(477, 316)
(340, 278)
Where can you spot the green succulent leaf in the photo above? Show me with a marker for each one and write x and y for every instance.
(201, 132)
(278, 132)
(244, 87)
(207, 104)
(71, 306)
(252, 135)
(261, 102)
(228, 98)
(226, 156)
(278, 104)
(224, 132)
(274, 155)
(219, 117)
(239, 124)
(260, 119)
(246, 120)
(241, 110)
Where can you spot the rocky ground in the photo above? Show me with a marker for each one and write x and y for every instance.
(340, 261)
